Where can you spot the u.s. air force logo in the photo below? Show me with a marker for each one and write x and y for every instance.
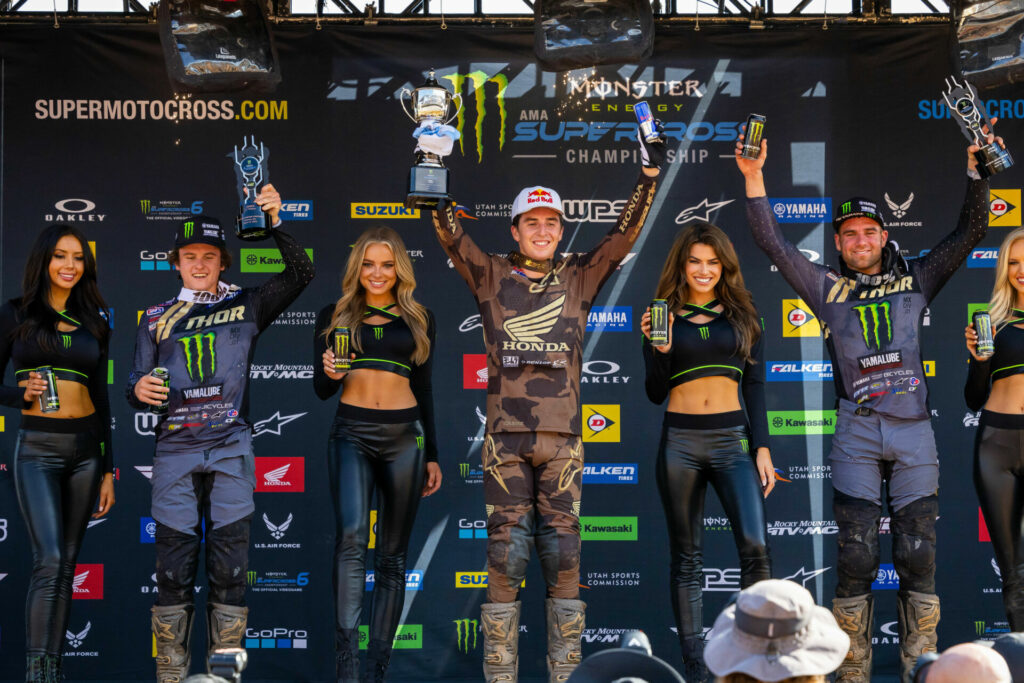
(527, 331)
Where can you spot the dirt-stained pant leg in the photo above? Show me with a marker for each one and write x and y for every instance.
(558, 474)
(509, 501)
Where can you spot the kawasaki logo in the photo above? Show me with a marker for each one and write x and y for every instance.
(464, 629)
(478, 81)
(200, 355)
(875, 323)
(187, 229)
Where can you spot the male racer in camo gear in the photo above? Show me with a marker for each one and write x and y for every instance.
(203, 468)
(871, 312)
(534, 308)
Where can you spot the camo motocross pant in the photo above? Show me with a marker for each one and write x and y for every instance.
(532, 483)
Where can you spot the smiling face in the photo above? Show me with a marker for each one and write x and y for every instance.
(859, 242)
(1015, 270)
(200, 266)
(538, 233)
(377, 274)
(67, 264)
(703, 271)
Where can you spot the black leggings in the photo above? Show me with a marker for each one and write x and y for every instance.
(57, 471)
(696, 450)
(999, 481)
(369, 449)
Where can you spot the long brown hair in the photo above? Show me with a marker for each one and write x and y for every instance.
(730, 290)
(349, 309)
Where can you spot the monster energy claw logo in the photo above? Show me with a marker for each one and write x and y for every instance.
(144, 205)
(200, 355)
(463, 469)
(872, 317)
(478, 81)
(250, 577)
(745, 445)
(188, 229)
(979, 628)
(705, 333)
(845, 207)
(65, 339)
(419, 442)
(464, 628)
(378, 333)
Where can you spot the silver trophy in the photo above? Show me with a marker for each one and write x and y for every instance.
(251, 172)
(969, 111)
(428, 178)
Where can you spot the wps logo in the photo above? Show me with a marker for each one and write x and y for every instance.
(476, 84)
(465, 634)
(200, 355)
(1004, 208)
(281, 475)
(88, 582)
(474, 371)
(798, 321)
(875, 324)
(602, 423)
(145, 424)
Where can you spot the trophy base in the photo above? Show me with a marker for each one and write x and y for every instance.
(992, 159)
(253, 228)
(428, 186)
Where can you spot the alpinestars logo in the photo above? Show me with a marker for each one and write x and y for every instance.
(526, 330)
(200, 355)
(476, 82)
(700, 212)
(75, 639)
(278, 531)
(465, 634)
(899, 210)
(875, 323)
(273, 424)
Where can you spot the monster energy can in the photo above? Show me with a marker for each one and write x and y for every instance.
(342, 362)
(983, 326)
(164, 375)
(752, 137)
(645, 118)
(659, 322)
(49, 401)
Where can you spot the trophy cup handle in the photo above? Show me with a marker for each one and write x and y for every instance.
(456, 96)
(405, 108)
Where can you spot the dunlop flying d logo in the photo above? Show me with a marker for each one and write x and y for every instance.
(200, 355)
(875, 323)
(526, 330)
(188, 227)
(465, 634)
(477, 82)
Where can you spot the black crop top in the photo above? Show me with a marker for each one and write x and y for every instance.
(387, 347)
(79, 359)
(708, 350)
(1007, 360)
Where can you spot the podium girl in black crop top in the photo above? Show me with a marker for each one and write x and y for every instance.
(996, 387)
(382, 438)
(714, 349)
(62, 459)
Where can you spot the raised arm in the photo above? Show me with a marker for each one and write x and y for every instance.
(936, 267)
(469, 261)
(277, 293)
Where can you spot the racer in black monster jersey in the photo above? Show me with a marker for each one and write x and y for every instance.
(203, 468)
(871, 311)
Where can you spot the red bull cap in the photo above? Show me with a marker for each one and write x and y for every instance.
(536, 198)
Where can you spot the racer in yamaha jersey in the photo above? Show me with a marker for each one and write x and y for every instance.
(534, 311)
(870, 312)
(203, 468)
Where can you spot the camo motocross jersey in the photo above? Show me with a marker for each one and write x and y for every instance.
(207, 348)
(533, 329)
(872, 323)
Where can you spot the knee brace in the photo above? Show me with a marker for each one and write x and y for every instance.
(913, 529)
(227, 561)
(858, 543)
(176, 557)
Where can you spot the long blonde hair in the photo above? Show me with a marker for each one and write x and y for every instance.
(1004, 296)
(730, 291)
(351, 307)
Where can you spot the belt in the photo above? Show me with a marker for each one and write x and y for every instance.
(863, 411)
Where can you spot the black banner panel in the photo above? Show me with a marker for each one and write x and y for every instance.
(92, 133)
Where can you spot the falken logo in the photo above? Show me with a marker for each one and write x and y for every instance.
(899, 210)
(701, 212)
(802, 371)
(526, 331)
(983, 258)
(875, 324)
(200, 355)
(610, 473)
(273, 424)
(75, 639)
(278, 531)
(801, 209)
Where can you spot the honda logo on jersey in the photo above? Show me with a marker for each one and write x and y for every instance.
(281, 475)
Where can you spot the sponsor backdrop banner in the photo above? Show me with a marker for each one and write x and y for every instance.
(92, 134)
